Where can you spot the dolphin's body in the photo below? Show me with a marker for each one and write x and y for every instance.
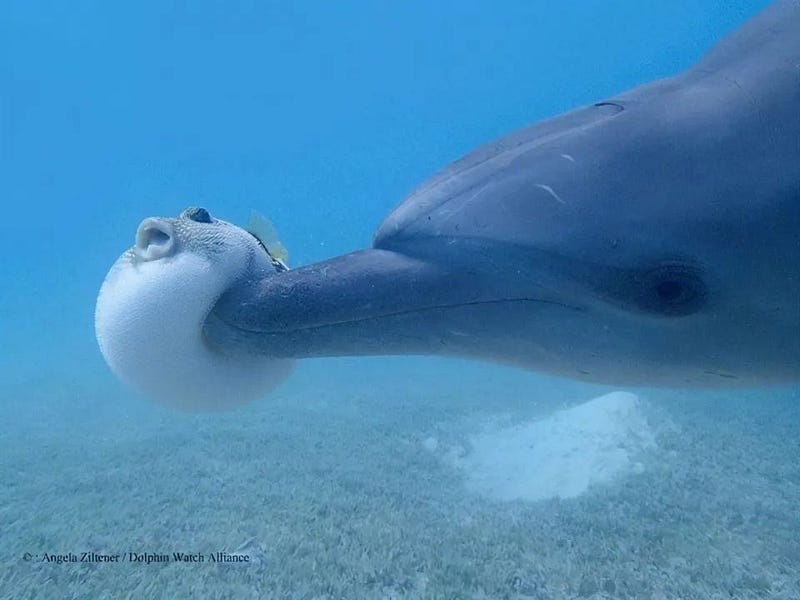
(653, 238)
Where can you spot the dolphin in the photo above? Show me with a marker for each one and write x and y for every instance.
(652, 238)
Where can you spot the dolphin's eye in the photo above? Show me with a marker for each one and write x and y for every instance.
(199, 215)
(673, 290)
(670, 290)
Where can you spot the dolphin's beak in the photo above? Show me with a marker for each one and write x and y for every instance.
(368, 302)
(154, 239)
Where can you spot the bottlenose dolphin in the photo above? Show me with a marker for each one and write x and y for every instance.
(652, 238)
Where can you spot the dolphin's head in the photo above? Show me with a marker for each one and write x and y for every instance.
(677, 237)
(651, 238)
(648, 240)
(154, 302)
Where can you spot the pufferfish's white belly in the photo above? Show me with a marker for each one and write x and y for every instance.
(148, 321)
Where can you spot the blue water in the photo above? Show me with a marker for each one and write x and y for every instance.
(321, 115)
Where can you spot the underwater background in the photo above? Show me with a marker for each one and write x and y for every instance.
(352, 480)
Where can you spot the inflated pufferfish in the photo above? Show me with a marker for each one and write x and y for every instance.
(157, 296)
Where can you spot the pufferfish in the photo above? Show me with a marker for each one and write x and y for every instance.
(156, 297)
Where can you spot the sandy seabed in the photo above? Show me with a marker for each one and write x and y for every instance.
(360, 482)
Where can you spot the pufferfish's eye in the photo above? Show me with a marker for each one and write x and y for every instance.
(197, 214)
(673, 289)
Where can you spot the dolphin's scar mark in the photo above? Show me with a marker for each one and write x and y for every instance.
(550, 191)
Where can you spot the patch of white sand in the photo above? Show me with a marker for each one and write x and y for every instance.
(561, 455)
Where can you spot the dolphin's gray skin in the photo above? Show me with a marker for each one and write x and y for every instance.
(652, 238)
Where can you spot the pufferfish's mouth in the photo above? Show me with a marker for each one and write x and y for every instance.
(154, 239)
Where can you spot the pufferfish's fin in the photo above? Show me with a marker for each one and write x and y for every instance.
(261, 228)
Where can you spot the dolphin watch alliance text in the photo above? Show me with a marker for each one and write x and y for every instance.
(145, 558)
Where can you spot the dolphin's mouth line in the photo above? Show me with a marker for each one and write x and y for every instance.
(401, 313)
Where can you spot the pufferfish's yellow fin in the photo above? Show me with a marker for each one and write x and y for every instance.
(261, 227)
